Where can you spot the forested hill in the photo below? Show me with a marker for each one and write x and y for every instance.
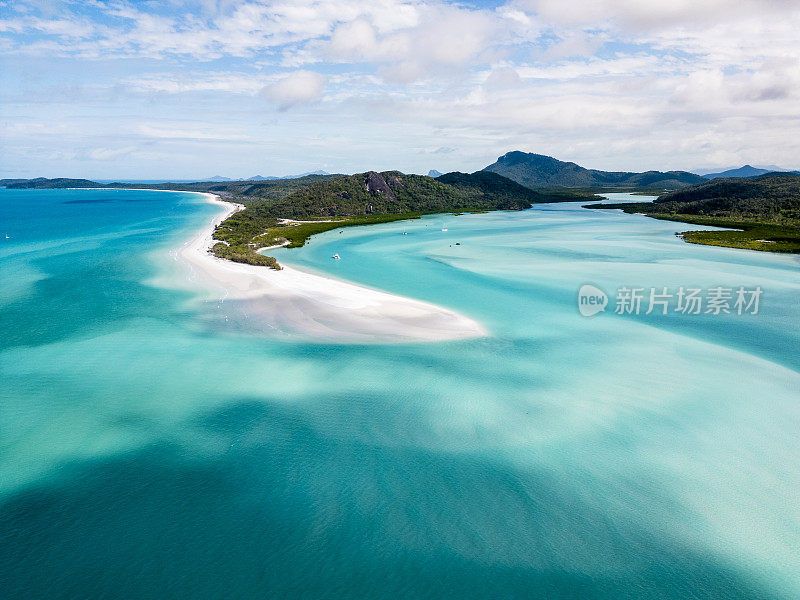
(392, 192)
(539, 171)
(366, 198)
(501, 187)
(773, 197)
(764, 211)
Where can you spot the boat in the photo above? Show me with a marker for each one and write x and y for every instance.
(444, 228)
(336, 257)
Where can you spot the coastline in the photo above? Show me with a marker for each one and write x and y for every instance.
(297, 302)
(729, 232)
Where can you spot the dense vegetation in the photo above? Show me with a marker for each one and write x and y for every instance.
(247, 192)
(487, 183)
(393, 192)
(244, 254)
(367, 198)
(773, 198)
(362, 199)
(539, 171)
(295, 234)
(765, 210)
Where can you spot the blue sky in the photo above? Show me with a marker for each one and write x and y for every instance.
(190, 89)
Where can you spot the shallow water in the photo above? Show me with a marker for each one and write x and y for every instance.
(148, 451)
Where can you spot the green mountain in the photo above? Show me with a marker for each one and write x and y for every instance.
(539, 171)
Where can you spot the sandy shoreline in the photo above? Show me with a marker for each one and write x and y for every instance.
(297, 302)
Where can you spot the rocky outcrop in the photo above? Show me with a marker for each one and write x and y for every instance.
(376, 184)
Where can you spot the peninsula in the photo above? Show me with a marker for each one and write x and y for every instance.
(297, 302)
(759, 213)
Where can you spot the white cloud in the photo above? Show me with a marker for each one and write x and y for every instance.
(230, 29)
(354, 40)
(634, 83)
(574, 44)
(300, 87)
(186, 130)
(64, 28)
(110, 153)
(657, 14)
(198, 81)
(443, 38)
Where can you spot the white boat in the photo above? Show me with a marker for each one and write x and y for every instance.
(336, 257)
(444, 228)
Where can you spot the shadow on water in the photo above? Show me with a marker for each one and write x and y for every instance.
(279, 509)
(84, 294)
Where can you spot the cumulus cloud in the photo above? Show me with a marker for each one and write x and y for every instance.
(503, 78)
(444, 37)
(298, 88)
(240, 29)
(658, 14)
(355, 40)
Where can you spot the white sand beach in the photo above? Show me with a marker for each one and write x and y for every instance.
(297, 302)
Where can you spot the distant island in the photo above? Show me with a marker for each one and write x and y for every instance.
(287, 211)
(744, 171)
(747, 171)
(273, 177)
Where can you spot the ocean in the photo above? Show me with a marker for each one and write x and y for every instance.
(147, 450)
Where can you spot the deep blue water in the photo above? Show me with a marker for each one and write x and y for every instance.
(146, 452)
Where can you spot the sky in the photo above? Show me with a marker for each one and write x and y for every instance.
(189, 89)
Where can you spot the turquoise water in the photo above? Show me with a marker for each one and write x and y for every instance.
(148, 452)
